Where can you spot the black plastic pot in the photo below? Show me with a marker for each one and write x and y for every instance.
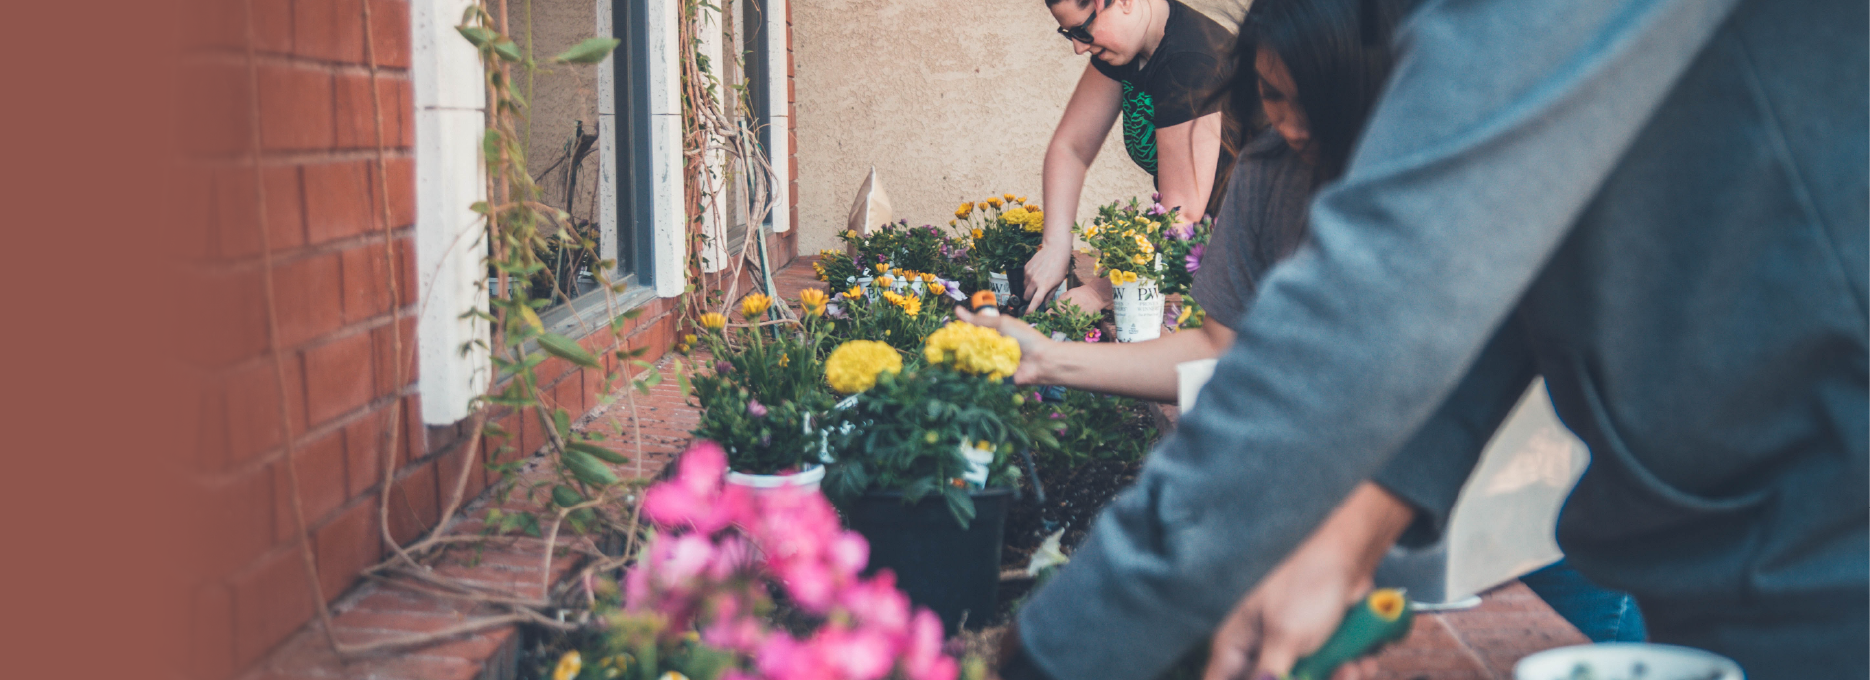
(954, 571)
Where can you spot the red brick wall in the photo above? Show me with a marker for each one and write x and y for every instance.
(324, 220)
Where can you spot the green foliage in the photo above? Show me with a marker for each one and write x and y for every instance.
(782, 371)
(1145, 242)
(889, 319)
(836, 268)
(906, 434)
(591, 51)
(1001, 244)
(1091, 426)
(1063, 317)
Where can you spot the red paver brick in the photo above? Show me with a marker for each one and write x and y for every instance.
(388, 367)
(322, 488)
(346, 545)
(449, 464)
(236, 218)
(363, 444)
(338, 377)
(252, 406)
(413, 503)
(270, 601)
(356, 117)
(306, 294)
(390, 26)
(331, 30)
(339, 200)
(295, 107)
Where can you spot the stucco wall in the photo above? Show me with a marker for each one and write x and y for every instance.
(950, 101)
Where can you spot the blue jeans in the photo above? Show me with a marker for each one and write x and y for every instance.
(1602, 614)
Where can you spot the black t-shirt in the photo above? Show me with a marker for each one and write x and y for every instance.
(1174, 87)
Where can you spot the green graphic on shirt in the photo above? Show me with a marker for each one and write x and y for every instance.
(1139, 127)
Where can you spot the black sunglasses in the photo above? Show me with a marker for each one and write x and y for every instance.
(1081, 32)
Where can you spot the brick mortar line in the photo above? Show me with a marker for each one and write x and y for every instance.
(277, 452)
(276, 158)
(358, 327)
(297, 254)
(217, 57)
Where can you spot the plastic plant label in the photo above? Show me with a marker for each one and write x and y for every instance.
(977, 461)
(1002, 290)
(1138, 305)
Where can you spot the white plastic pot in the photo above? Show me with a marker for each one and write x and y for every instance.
(1002, 289)
(1618, 660)
(807, 479)
(1138, 305)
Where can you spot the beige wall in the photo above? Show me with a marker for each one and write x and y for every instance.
(951, 101)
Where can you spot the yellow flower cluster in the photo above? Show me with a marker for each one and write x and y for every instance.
(1030, 219)
(994, 201)
(1119, 277)
(714, 321)
(813, 300)
(754, 305)
(963, 211)
(853, 367)
(972, 349)
(910, 303)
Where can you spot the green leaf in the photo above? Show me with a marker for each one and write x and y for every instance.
(507, 50)
(588, 468)
(562, 420)
(567, 349)
(597, 451)
(477, 35)
(566, 496)
(591, 51)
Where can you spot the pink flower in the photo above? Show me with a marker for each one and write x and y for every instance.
(1094, 336)
(878, 604)
(696, 498)
(861, 654)
(849, 553)
(922, 652)
(755, 408)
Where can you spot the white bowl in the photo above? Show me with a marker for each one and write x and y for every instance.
(1626, 661)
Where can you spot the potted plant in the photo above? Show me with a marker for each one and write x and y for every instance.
(899, 309)
(923, 461)
(1146, 256)
(1006, 233)
(764, 395)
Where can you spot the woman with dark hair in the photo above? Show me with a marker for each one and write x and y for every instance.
(1156, 63)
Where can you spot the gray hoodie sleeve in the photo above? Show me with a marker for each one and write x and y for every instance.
(1500, 122)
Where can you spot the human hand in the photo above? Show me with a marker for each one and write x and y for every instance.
(1292, 611)
(1032, 344)
(1044, 272)
(1094, 296)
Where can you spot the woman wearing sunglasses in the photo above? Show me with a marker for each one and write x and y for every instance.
(1155, 62)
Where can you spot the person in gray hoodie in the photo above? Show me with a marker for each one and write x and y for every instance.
(1659, 206)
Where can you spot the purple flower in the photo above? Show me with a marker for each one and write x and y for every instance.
(1038, 397)
(953, 289)
(755, 408)
(1181, 232)
(1155, 197)
(1056, 415)
(1156, 209)
(836, 311)
(723, 366)
(1194, 256)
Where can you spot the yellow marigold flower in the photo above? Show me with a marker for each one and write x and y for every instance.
(951, 223)
(854, 293)
(963, 211)
(754, 305)
(937, 289)
(928, 278)
(714, 321)
(690, 338)
(568, 666)
(993, 201)
(972, 349)
(883, 268)
(911, 304)
(975, 232)
(1021, 199)
(1009, 198)
(886, 282)
(854, 366)
(785, 360)
(813, 300)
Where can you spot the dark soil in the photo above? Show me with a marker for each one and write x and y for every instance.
(1073, 497)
